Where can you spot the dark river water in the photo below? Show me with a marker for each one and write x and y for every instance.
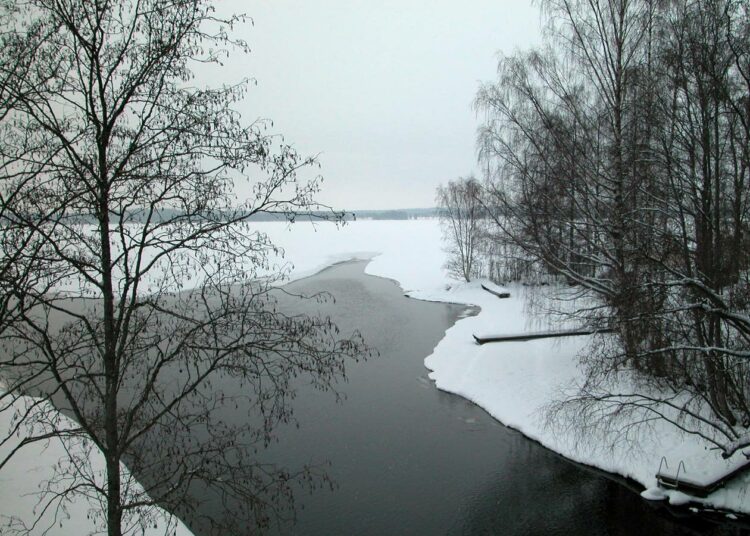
(409, 459)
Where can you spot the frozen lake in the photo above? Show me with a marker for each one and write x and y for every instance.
(410, 459)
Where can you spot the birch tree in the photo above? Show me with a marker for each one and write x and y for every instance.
(620, 162)
(460, 214)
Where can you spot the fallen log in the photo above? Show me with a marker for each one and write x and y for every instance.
(496, 293)
(539, 335)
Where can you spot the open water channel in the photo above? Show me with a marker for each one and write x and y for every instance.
(410, 459)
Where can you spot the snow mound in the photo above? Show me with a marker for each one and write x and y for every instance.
(654, 494)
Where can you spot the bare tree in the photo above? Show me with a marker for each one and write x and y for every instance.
(620, 163)
(146, 311)
(460, 215)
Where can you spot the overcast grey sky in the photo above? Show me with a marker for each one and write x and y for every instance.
(382, 90)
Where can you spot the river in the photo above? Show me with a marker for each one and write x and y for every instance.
(410, 459)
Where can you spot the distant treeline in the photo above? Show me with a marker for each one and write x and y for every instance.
(400, 214)
(140, 216)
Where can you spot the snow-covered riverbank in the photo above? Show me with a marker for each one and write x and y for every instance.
(513, 381)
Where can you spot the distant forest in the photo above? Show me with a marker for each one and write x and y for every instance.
(162, 215)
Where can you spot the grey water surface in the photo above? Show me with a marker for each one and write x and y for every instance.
(410, 459)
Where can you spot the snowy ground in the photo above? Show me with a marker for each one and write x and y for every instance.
(513, 381)
(23, 509)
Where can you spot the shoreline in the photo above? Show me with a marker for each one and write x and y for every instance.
(34, 464)
(512, 381)
(724, 505)
(495, 377)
